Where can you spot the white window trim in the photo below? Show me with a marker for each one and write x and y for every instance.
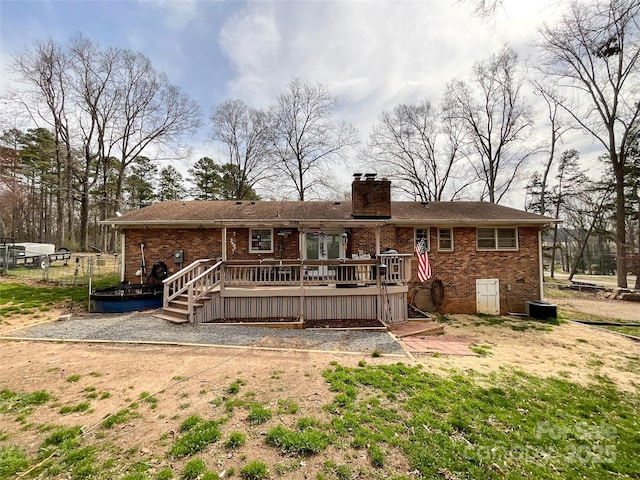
(445, 249)
(415, 237)
(251, 250)
(495, 238)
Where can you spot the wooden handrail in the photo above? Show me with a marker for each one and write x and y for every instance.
(175, 285)
(199, 278)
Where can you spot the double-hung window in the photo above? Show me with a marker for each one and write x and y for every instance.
(497, 238)
(445, 239)
(261, 240)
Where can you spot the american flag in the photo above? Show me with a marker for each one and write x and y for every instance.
(424, 267)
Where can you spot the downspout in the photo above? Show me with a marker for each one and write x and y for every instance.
(301, 248)
(122, 256)
(540, 265)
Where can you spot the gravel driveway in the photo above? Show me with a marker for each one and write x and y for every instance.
(143, 327)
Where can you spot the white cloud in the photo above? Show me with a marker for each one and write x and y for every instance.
(372, 55)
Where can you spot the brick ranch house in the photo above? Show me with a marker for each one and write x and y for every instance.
(289, 258)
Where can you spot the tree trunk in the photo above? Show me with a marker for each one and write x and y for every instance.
(621, 234)
(553, 250)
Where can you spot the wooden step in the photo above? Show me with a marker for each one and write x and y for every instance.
(410, 328)
(185, 298)
(185, 304)
(172, 319)
(176, 312)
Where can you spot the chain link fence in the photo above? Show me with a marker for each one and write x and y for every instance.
(80, 270)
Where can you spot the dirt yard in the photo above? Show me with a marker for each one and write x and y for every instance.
(189, 379)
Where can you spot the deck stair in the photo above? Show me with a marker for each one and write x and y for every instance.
(188, 291)
(178, 310)
(416, 328)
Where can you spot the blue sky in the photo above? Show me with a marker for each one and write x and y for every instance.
(371, 54)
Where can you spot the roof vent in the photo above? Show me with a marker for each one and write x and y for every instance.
(424, 204)
(238, 203)
(337, 203)
(370, 176)
(252, 203)
(357, 175)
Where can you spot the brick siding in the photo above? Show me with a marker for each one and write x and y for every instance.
(517, 271)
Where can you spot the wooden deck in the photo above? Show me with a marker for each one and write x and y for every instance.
(208, 291)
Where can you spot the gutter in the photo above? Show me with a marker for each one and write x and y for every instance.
(351, 222)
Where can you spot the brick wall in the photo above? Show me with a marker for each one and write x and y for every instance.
(458, 270)
(517, 271)
(160, 244)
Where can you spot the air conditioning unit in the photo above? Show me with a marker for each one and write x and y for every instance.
(541, 310)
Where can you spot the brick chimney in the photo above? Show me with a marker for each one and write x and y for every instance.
(370, 198)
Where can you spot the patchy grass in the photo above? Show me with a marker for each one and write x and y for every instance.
(507, 424)
(199, 435)
(287, 406)
(12, 461)
(234, 388)
(194, 469)
(633, 331)
(519, 325)
(482, 350)
(235, 440)
(255, 470)
(258, 414)
(79, 408)
(22, 299)
(118, 418)
(521, 423)
(303, 441)
(22, 404)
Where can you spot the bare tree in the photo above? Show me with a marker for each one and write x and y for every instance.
(593, 52)
(585, 210)
(305, 140)
(244, 133)
(98, 106)
(419, 150)
(154, 112)
(557, 128)
(497, 120)
(106, 103)
(46, 68)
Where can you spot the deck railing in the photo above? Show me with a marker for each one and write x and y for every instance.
(177, 284)
(342, 272)
(199, 279)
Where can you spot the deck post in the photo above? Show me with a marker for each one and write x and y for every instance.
(301, 318)
(224, 243)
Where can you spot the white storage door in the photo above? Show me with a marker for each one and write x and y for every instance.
(488, 296)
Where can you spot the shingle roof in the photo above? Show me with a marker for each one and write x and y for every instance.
(203, 213)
